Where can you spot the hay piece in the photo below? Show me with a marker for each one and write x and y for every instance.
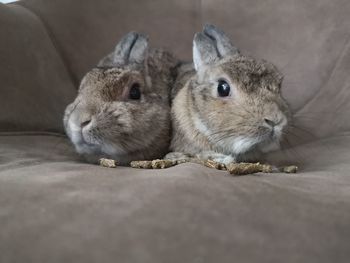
(141, 164)
(110, 163)
(161, 164)
(248, 168)
(290, 169)
(215, 165)
(208, 163)
(232, 168)
(266, 168)
(154, 164)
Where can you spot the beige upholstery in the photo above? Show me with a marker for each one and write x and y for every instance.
(56, 208)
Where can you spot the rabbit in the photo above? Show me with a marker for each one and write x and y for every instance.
(122, 110)
(226, 106)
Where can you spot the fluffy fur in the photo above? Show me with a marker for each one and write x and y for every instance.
(232, 128)
(104, 122)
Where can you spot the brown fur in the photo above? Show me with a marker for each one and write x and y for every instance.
(121, 128)
(208, 126)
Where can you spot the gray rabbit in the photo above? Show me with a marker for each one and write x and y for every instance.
(122, 108)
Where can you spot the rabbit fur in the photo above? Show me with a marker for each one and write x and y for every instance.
(250, 121)
(109, 119)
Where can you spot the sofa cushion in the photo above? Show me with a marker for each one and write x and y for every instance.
(35, 86)
(57, 209)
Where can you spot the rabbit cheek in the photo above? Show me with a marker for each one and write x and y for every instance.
(113, 123)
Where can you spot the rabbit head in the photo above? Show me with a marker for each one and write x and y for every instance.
(122, 107)
(234, 101)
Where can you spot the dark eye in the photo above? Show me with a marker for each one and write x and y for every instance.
(135, 93)
(223, 88)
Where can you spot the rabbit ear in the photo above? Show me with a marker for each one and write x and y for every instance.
(204, 51)
(223, 43)
(131, 49)
(210, 46)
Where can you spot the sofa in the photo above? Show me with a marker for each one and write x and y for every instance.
(54, 207)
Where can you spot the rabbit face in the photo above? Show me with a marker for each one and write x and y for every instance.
(119, 113)
(113, 112)
(239, 106)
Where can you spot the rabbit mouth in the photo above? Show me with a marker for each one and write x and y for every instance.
(82, 145)
(94, 151)
(88, 144)
(93, 146)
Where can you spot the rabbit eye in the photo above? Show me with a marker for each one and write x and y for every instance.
(223, 88)
(135, 93)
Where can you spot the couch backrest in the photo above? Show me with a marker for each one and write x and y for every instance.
(34, 83)
(308, 40)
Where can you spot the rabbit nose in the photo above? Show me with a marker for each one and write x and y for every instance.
(85, 123)
(270, 122)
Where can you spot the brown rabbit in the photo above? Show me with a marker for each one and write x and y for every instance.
(122, 109)
(228, 107)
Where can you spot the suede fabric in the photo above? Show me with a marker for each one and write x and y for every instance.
(35, 86)
(96, 27)
(56, 208)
